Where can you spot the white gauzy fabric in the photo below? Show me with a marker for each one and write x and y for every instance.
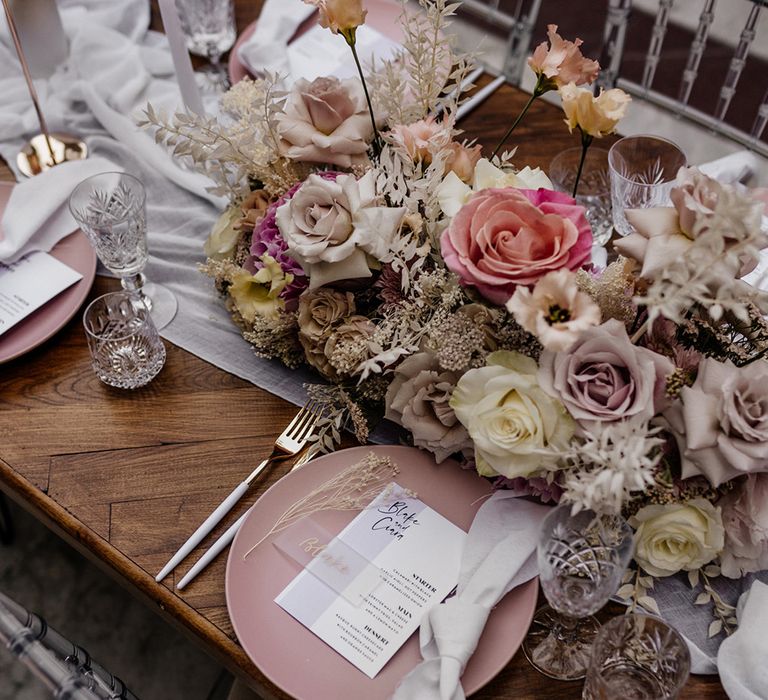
(743, 657)
(499, 554)
(266, 49)
(37, 216)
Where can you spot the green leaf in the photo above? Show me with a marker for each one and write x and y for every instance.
(693, 578)
(702, 599)
(626, 591)
(715, 628)
(649, 604)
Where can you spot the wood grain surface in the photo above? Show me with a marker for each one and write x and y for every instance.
(125, 476)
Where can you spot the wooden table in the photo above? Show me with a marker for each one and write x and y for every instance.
(125, 477)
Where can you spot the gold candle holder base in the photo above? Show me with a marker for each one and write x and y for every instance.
(35, 157)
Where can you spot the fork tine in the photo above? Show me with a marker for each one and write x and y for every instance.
(306, 415)
(308, 427)
(296, 419)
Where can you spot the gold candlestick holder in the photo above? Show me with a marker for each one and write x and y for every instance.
(46, 149)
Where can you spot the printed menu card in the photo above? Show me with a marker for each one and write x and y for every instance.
(385, 570)
(29, 283)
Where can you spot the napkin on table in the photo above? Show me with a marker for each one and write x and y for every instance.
(499, 554)
(266, 49)
(37, 215)
(742, 659)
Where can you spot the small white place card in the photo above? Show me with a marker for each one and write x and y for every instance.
(414, 552)
(29, 283)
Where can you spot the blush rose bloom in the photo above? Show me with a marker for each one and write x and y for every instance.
(503, 238)
(517, 429)
(340, 15)
(332, 226)
(745, 518)
(326, 121)
(677, 536)
(562, 61)
(418, 399)
(421, 138)
(604, 378)
(721, 422)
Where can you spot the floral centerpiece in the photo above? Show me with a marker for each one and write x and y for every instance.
(454, 294)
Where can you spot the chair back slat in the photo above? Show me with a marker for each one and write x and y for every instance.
(658, 33)
(736, 66)
(761, 120)
(696, 52)
(614, 36)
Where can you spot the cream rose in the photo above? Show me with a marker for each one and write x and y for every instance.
(222, 240)
(515, 426)
(677, 536)
(326, 121)
(453, 193)
(331, 227)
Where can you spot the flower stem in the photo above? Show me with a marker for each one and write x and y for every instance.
(586, 141)
(349, 37)
(514, 124)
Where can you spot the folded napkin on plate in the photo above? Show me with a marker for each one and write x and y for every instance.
(742, 660)
(735, 167)
(499, 554)
(37, 216)
(266, 49)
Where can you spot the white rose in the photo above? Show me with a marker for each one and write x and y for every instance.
(514, 424)
(453, 194)
(677, 536)
(331, 227)
(222, 240)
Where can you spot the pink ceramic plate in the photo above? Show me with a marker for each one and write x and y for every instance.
(75, 251)
(382, 16)
(296, 660)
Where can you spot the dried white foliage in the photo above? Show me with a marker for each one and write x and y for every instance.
(610, 464)
(706, 274)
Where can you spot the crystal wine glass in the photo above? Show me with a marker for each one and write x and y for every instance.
(209, 27)
(111, 210)
(581, 560)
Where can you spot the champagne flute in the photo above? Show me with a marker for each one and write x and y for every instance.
(111, 210)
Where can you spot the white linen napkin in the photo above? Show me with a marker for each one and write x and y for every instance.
(266, 49)
(735, 167)
(499, 554)
(742, 660)
(37, 216)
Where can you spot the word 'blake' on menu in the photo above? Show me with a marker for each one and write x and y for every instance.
(397, 519)
(410, 551)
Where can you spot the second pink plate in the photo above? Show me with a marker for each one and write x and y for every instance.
(300, 663)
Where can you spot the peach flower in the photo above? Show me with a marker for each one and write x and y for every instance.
(562, 61)
(421, 138)
(507, 237)
(462, 160)
(556, 311)
(326, 121)
(340, 15)
(595, 116)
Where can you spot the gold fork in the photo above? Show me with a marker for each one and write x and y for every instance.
(290, 442)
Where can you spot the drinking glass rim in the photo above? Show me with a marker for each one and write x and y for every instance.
(139, 205)
(129, 295)
(613, 170)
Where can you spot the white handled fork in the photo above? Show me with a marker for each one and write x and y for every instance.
(289, 442)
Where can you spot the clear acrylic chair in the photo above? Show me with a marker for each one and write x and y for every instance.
(614, 38)
(517, 24)
(65, 669)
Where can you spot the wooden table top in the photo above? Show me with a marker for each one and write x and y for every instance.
(125, 477)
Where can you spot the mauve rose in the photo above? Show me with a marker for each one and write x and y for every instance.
(603, 377)
(326, 121)
(745, 518)
(506, 237)
(418, 400)
(694, 195)
(721, 422)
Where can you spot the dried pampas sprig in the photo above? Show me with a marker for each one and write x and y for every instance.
(352, 489)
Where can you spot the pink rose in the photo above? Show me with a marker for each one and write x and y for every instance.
(502, 238)
(421, 138)
(562, 61)
(326, 121)
(745, 518)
